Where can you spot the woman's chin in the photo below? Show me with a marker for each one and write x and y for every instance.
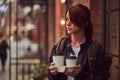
(69, 32)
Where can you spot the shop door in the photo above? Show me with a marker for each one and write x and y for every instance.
(112, 14)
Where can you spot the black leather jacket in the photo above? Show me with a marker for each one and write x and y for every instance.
(82, 59)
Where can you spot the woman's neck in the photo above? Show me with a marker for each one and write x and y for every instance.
(77, 39)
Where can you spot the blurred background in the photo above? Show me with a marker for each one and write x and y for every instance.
(31, 27)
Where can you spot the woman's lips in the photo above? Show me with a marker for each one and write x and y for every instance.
(68, 29)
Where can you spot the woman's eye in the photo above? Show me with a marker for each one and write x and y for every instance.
(66, 19)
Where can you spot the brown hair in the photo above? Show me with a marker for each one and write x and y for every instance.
(80, 15)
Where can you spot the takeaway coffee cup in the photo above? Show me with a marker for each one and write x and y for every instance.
(71, 62)
(58, 60)
(61, 69)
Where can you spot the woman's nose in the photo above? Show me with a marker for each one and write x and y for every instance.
(68, 23)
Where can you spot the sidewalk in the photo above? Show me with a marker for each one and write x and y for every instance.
(4, 75)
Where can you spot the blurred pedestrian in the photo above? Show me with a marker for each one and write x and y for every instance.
(3, 50)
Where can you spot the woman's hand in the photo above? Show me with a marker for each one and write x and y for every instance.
(73, 71)
(53, 69)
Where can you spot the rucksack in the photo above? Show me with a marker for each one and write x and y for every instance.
(94, 46)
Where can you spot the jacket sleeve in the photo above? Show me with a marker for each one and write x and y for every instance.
(99, 69)
(58, 76)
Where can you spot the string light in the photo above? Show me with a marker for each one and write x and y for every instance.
(62, 22)
(62, 1)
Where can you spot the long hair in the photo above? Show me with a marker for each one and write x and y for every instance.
(80, 15)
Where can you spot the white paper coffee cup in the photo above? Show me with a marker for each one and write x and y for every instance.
(70, 62)
(61, 69)
(58, 60)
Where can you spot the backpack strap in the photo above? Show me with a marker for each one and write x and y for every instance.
(61, 45)
(92, 54)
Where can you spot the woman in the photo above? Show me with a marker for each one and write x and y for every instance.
(79, 38)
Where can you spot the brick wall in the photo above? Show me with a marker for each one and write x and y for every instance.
(59, 15)
(95, 12)
(84, 2)
(51, 25)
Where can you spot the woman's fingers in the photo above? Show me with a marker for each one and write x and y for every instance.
(53, 69)
(78, 66)
(52, 64)
(73, 71)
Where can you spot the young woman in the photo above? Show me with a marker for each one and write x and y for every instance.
(79, 38)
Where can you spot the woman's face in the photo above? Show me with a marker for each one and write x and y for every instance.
(70, 26)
